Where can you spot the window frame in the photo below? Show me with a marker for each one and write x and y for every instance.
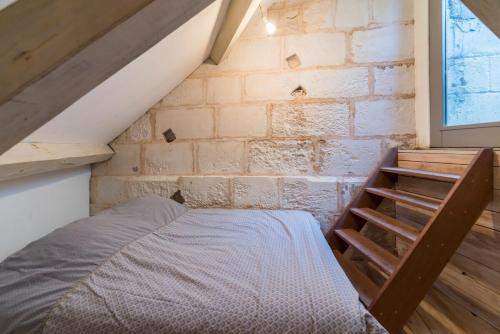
(471, 135)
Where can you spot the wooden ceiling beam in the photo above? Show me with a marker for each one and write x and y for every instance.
(26, 159)
(55, 51)
(37, 35)
(237, 17)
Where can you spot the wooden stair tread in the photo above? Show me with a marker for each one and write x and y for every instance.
(445, 177)
(378, 255)
(390, 224)
(367, 290)
(403, 197)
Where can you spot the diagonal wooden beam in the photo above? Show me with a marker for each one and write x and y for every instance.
(55, 84)
(37, 35)
(488, 11)
(237, 17)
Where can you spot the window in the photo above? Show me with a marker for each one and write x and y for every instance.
(465, 78)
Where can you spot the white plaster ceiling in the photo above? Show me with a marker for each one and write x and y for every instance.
(110, 108)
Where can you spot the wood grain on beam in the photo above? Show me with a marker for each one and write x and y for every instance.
(488, 11)
(37, 35)
(76, 73)
(28, 159)
(237, 17)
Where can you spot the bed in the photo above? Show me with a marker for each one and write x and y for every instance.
(153, 266)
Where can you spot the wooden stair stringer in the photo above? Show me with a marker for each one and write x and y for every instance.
(367, 290)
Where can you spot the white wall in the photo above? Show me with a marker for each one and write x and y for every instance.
(33, 206)
(422, 93)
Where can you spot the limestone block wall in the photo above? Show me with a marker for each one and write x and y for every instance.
(292, 121)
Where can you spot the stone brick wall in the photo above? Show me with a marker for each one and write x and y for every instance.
(292, 121)
(473, 68)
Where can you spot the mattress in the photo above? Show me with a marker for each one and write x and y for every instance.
(154, 266)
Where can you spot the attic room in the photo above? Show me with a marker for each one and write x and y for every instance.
(250, 166)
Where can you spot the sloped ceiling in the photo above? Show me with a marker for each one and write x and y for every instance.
(110, 108)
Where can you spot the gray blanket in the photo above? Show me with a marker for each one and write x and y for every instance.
(152, 266)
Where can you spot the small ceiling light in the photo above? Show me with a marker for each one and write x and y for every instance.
(270, 28)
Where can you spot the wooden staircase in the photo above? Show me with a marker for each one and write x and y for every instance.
(409, 277)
